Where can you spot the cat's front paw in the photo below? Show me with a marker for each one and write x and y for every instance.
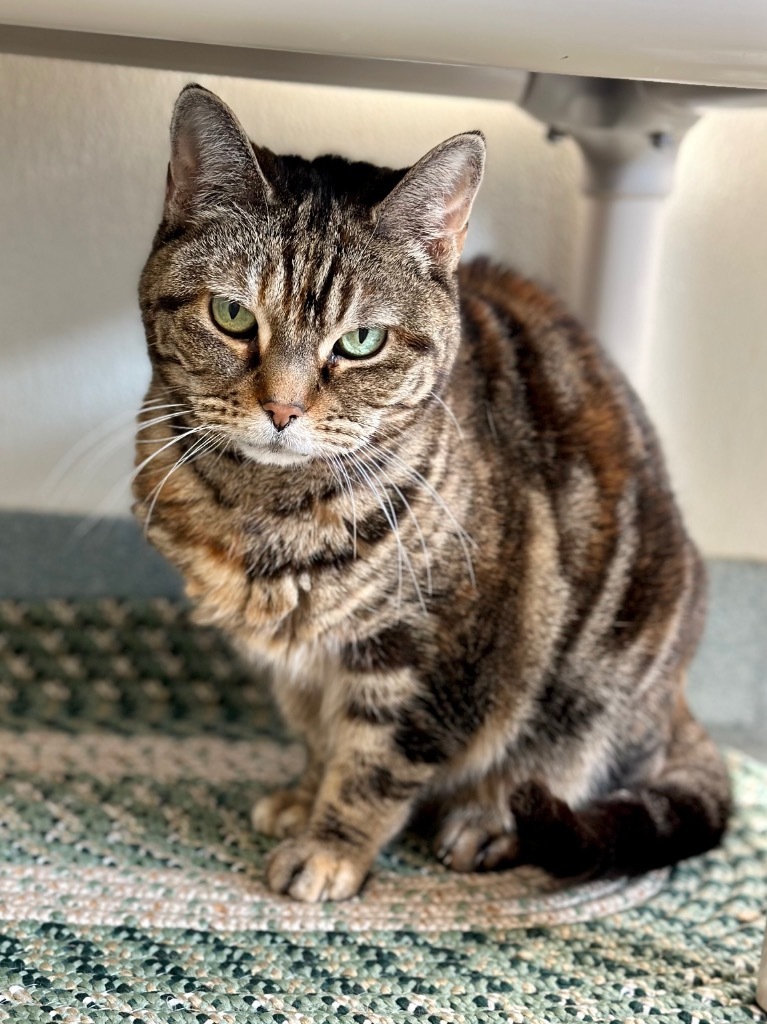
(313, 871)
(281, 814)
(475, 840)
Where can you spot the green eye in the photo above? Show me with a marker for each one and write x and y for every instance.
(360, 343)
(230, 316)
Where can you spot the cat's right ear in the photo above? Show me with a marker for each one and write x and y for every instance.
(212, 162)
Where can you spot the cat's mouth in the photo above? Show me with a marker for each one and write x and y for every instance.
(273, 455)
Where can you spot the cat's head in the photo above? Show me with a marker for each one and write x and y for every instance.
(304, 309)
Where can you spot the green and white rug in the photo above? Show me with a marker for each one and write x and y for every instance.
(132, 746)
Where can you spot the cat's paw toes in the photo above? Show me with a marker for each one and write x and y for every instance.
(312, 871)
(500, 852)
(470, 842)
(282, 814)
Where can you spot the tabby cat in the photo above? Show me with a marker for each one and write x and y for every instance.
(424, 497)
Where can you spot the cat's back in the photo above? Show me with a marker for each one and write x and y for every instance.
(551, 389)
(566, 425)
(517, 329)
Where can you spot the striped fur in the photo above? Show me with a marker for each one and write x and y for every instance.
(463, 564)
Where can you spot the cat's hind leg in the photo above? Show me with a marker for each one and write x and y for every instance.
(477, 828)
(679, 812)
(475, 839)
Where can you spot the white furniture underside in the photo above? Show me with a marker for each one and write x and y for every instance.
(703, 41)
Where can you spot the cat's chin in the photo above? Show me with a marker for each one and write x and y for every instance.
(270, 457)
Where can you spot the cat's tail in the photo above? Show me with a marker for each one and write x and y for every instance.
(681, 812)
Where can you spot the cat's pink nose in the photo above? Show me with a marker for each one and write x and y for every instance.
(281, 414)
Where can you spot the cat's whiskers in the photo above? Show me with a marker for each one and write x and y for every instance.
(464, 538)
(152, 423)
(145, 424)
(207, 443)
(341, 476)
(449, 412)
(154, 406)
(352, 456)
(174, 440)
(379, 449)
(417, 525)
(226, 444)
(390, 517)
(121, 424)
(402, 552)
(346, 477)
(491, 422)
(101, 455)
(88, 523)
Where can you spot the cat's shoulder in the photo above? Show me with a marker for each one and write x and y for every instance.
(512, 295)
(514, 328)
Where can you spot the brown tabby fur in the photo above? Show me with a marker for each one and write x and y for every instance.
(463, 563)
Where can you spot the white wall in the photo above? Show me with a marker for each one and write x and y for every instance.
(706, 369)
(82, 164)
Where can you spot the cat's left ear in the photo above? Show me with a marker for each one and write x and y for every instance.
(430, 207)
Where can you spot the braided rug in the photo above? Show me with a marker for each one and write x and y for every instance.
(132, 746)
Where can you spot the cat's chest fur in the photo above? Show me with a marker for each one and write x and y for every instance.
(292, 592)
(283, 570)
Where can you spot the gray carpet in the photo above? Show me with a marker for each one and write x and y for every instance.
(63, 556)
